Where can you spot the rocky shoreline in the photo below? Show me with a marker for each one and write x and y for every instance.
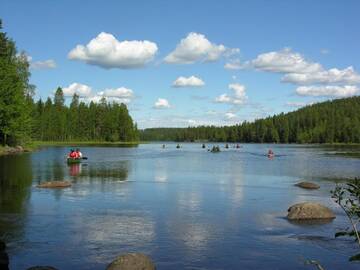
(7, 150)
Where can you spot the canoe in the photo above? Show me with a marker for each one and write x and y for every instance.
(73, 160)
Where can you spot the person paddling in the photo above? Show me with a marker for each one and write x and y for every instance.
(78, 153)
(72, 154)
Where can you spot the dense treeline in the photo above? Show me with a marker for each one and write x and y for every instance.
(53, 121)
(336, 121)
(22, 119)
(15, 91)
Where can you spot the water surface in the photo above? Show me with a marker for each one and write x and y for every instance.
(186, 208)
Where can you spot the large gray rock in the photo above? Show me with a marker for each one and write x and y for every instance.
(308, 211)
(55, 184)
(132, 261)
(307, 185)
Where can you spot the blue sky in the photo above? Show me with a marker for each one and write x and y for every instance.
(181, 63)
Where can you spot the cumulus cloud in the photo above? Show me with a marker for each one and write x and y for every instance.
(284, 61)
(230, 115)
(334, 75)
(239, 95)
(196, 47)
(191, 81)
(47, 64)
(162, 103)
(299, 70)
(233, 65)
(328, 91)
(121, 92)
(108, 52)
(118, 95)
(82, 90)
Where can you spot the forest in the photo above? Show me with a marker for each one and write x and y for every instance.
(336, 121)
(22, 119)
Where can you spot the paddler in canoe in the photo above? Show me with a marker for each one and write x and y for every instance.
(75, 156)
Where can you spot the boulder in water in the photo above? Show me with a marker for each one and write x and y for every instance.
(55, 184)
(132, 261)
(307, 185)
(309, 211)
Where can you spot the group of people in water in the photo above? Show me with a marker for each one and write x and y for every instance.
(270, 153)
(75, 154)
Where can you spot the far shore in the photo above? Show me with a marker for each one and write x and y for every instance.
(84, 143)
(35, 145)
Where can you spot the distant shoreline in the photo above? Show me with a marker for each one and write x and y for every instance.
(79, 143)
(35, 145)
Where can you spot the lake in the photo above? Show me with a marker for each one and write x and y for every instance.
(186, 208)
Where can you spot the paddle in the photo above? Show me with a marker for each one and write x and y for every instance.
(84, 158)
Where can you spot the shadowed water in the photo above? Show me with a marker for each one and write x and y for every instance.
(187, 208)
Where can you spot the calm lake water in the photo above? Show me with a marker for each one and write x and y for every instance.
(187, 208)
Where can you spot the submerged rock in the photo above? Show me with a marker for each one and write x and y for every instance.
(308, 211)
(55, 184)
(307, 185)
(41, 268)
(132, 261)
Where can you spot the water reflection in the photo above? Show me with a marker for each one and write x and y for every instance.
(116, 171)
(161, 174)
(15, 186)
(186, 208)
(75, 169)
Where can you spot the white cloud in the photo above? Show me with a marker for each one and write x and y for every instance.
(297, 104)
(47, 64)
(192, 122)
(233, 65)
(162, 103)
(328, 91)
(284, 61)
(239, 97)
(120, 92)
(191, 81)
(108, 52)
(97, 98)
(302, 71)
(118, 95)
(334, 75)
(230, 115)
(81, 90)
(196, 47)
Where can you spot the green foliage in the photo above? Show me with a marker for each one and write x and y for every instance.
(336, 121)
(348, 198)
(15, 91)
(54, 121)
